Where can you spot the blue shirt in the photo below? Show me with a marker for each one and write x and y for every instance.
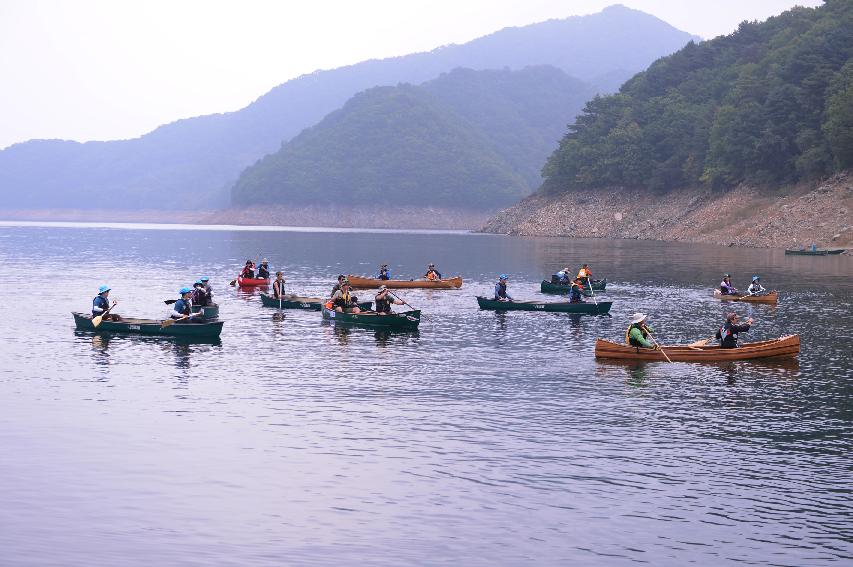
(500, 291)
(99, 305)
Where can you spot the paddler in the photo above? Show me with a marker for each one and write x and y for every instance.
(727, 334)
(278, 286)
(344, 301)
(338, 285)
(208, 291)
(248, 272)
(639, 333)
(199, 297)
(432, 274)
(183, 307)
(264, 270)
(500, 289)
(755, 288)
(585, 274)
(726, 287)
(384, 272)
(576, 293)
(101, 304)
(563, 276)
(384, 300)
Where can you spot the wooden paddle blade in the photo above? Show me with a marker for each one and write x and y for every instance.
(167, 323)
(169, 301)
(232, 283)
(97, 321)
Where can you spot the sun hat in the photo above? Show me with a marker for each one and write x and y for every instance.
(205, 279)
(755, 278)
(103, 288)
(726, 276)
(637, 318)
(264, 261)
(198, 282)
(184, 290)
(504, 276)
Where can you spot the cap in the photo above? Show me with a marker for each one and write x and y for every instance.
(383, 287)
(731, 316)
(184, 290)
(726, 276)
(198, 282)
(504, 276)
(103, 288)
(205, 279)
(755, 278)
(637, 318)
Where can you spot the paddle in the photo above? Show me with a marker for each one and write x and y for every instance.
(97, 320)
(170, 322)
(169, 301)
(391, 293)
(701, 343)
(654, 340)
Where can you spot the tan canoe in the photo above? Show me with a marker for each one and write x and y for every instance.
(771, 297)
(783, 347)
(359, 282)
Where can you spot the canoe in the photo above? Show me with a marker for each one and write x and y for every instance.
(405, 320)
(359, 282)
(252, 282)
(588, 307)
(298, 302)
(149, 327)
(818, 252)
(770, 297)
(783, 347)
(550, 287)
(207, 311)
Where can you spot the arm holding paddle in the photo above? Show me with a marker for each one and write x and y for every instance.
(97, 320)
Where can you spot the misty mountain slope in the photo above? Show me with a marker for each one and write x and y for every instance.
(473, 139)
(192, 162)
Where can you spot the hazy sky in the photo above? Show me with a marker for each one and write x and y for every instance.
(98, 70)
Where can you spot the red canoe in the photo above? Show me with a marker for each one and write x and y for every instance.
(252, 282)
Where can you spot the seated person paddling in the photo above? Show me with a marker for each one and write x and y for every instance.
(576, 293)
(338, 285)
(183, 307)
(384, 272)
(344, 301)
(278, 285)
(562, 277)
(500, 289)
(101, 304)
(585, 274)
(730, 329)
(755, 288)
(264, 270)
(384, 300)
(638, 333)
(432, 274)
(199, 296)
(248, 272)
(208, 291)
(726, 287)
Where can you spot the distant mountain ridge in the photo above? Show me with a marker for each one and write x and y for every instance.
(468, 139)
(191, 163)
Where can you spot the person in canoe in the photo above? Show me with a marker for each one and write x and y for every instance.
(278, 285)
(208, 291)
(585, 274)
(199, 296)
(639, 333)
(101, 304)
(432, 274)
(183, 307)
(500, 289)
(726, 287)
(248, 272)
(344, 301)
(384, 300)
(264, 270)
(727, 334)
(755, 288)
(562, 277)
(576, 293)
(384, 272)
(337, 286)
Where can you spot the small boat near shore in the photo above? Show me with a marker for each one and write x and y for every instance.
(299, 302)
(207, 329)
(252, 282)
(815, 252)
(771, 297)
(588, 307)
(558, 288)
(406, 320)
(783, 347)
(359, 282)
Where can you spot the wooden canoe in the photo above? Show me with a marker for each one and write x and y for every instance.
(770, 297)
(359, 282)
(783, 347)
(587, 307)
(299, 302)
(207, 329)
(252, 282)
(407, 320)
(551, 287)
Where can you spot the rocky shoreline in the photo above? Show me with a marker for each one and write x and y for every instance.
(818, 213)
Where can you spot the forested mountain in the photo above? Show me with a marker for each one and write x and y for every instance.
(771, 103)
(192, 163)
(473, 139)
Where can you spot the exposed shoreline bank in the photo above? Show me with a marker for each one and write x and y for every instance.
(819, 213)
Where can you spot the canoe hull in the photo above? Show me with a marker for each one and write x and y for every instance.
(208, 329)
(408, 320)
(549, 287)
(298, 302)
(771, 298)
(783, 347)
(252, 282)
(588, 308)
(359, 282)
(207, 311)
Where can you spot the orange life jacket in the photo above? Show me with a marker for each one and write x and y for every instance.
(431, 275)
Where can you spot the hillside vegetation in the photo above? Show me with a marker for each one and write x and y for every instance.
(770, 104)
(472, 139)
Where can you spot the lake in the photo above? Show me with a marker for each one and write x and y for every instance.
(482, 439)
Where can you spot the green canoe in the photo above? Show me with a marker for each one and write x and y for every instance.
(407, 320)
(551, 287)
(206, 329)
(818, 252)
(298, 302)
(587, 307)
(208, 311)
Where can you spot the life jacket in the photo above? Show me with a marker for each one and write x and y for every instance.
(383, 304)
(278, 288)
(248, 273)
(182, 306)
(345, 300)
(263, 272)
(632, 341)
(329, 304)
(384, 275)
(199, 297)
(584, 273)
(431, 275)
(100, 302)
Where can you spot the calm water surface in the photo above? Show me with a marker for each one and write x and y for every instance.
(482, 439)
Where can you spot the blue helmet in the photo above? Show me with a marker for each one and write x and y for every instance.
(204, 279)
(184, 290)
(504, 276)
(103, 288)
(755, 278)
(198, 282)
